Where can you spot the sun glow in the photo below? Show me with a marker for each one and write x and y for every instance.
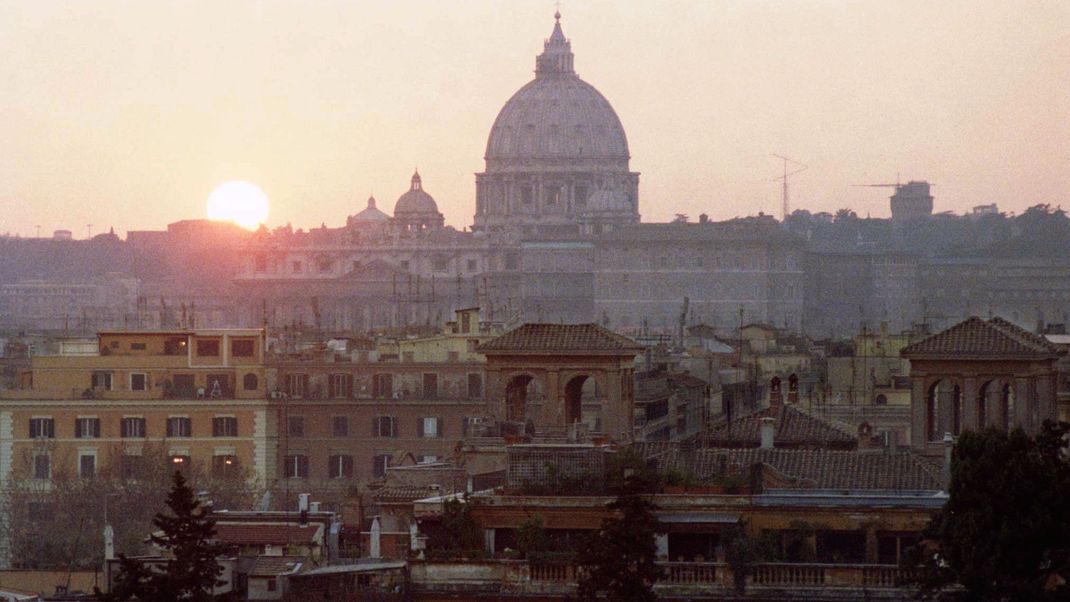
(240, 202)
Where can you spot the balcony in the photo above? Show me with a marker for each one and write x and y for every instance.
(711, 580)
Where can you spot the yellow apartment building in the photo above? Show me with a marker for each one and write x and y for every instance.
(198, 394)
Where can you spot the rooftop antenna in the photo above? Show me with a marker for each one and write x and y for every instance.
(800, 167)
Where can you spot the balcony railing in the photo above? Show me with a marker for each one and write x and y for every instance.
(518, 576)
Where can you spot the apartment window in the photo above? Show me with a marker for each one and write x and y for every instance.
(87, 465)
(475, 386)
(139, 381)
(427, 459)
(42, 466)
(472, 344)
(430, 427)
(137, 346)
(453, 356)
(101, 380)
(250, 382)
(340, 426)
(379, 465)
(296, 426)
(440, 264)
(296, 267)
(260, 262)
(182, 385)
(296, 466)
(132, 427)
(405, 265)
(272, 585)
(340, 467)
(208, 348)
(42, 428)
(472, 266)
(385, 426)
(224, 426)
(296, 385)
(340, 386)
(179, 426)
(383, 386)
(527, 194)
(224, 466)
(325, 265)
(175, 346)
(408, 356)
(130, 466)
(87, 428)
(430, 390)
(241, 348)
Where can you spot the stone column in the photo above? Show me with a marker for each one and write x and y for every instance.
(970, 412)
(661, 540)
(918, 429)
(872, 545)
(1023, 405)
(1045, 389)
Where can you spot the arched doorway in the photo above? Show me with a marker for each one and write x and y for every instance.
(578, 390)
(520, 388)
(774, 391)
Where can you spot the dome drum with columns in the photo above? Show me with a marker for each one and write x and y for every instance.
(416, 210)
(557, 156)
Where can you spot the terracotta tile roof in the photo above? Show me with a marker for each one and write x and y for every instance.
(826, 469)
(408, 493)
(802, 468)
(270, 566)
(795, 428)
(986, 339)
(262, 534)
(560, 338)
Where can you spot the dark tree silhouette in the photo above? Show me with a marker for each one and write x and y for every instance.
(1004, 533)
(185, 535)
(619, 559)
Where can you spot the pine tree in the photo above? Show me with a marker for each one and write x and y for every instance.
(1003, 534)
(620, 559)
(185, 535)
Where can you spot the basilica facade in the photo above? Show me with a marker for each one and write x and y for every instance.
(556, 237)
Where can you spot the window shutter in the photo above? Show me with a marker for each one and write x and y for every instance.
(77, 429)
(347, 466)
(438, 427)
(394, 426)
(96, 427)
(375, 427)
(170, 427)
(420, 424)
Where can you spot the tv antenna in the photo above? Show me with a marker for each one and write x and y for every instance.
(798, 168)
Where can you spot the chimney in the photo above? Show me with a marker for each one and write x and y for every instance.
(768, 432)
(703, 219)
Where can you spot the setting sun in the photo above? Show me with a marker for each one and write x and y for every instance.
(240, 202)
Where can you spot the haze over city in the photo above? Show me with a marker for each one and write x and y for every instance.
(130, 114)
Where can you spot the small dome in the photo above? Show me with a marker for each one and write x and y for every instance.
(415, 201)
(370, 214)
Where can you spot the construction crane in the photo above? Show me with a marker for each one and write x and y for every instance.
(784, 178)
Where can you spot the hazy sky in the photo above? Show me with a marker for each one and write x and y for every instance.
(128, 113)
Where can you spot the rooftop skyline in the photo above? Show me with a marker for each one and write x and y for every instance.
(129, 115)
